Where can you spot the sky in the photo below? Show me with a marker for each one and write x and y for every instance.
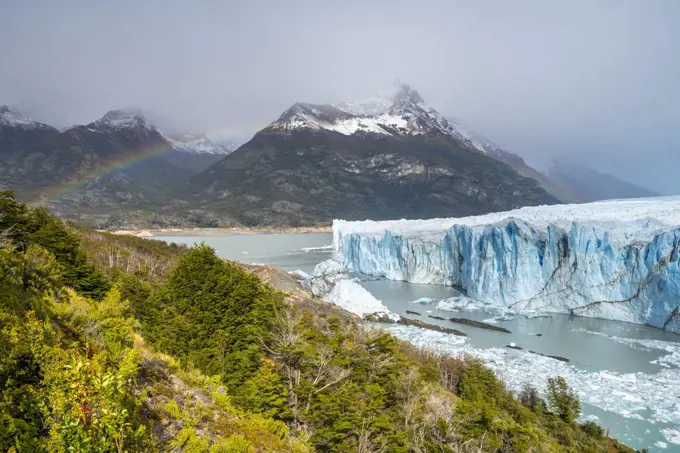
(596, 80)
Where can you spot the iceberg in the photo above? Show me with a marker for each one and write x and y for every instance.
(617, 260)
(331, 282)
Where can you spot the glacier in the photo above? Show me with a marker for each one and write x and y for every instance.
(616, 260)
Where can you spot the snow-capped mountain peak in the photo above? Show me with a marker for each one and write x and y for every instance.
(405, 97)
(204, 144)
(400, 113)
(12, 118)
(122, 119)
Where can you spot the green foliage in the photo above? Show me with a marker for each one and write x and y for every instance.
(25, 226)
(189, 442)
(592, 429)
(243, 372)
(563, 400)
(530, 398)
(62, 398)
(122, 255)
(212, 314)
(264, 392)
(236, 443)
(479, 383)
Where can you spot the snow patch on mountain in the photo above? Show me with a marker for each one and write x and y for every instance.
(122, 119)
(203, 144)
(401, 113)
(12, 118)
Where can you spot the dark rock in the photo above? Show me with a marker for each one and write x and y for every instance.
(379, 317)
(481, 325)
(424, 325)
(413, 312)
(436, 317)
(556, 357)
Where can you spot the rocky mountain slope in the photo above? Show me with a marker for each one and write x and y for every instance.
(121, 158)
(591, 185)
(380, 158)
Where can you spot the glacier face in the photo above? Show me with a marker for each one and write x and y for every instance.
(617, 260)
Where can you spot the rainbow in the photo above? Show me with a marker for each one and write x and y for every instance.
(561, 193)
(123, 161)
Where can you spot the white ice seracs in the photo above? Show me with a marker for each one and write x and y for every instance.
(331, 282)
(617, 260)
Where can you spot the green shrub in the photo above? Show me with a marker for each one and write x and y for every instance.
(562, 400)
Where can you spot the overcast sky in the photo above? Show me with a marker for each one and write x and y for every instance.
(599, 80)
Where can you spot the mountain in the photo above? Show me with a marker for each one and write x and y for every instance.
(197, 152)
(119, 158)
(386, 157)
(591, 185)
(31, 153)
(10, 118)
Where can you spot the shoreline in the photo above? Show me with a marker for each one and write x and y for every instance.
(151, 232)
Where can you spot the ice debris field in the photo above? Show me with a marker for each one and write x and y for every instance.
(617, 260)
(641, 396)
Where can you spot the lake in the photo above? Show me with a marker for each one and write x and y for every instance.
(627, 375)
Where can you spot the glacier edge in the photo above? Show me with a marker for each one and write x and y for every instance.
(580, 265)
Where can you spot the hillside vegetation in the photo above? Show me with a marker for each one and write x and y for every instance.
(112, 344)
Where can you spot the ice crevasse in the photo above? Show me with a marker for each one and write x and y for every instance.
(617, 260)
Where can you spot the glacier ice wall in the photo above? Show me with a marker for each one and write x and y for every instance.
(575, 267)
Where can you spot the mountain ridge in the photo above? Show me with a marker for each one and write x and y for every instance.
(383, 157)
(374, 159)
(592, 185)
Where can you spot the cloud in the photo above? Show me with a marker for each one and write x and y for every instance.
(596, 79)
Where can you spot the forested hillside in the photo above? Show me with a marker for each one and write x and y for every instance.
(113, 343)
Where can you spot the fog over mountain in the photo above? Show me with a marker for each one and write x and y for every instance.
(594, 80)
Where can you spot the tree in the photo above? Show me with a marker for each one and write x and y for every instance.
(213, 314)
(563, 400)
(530, 398)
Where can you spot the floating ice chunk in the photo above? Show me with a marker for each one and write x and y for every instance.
(353, 297)
(589, 418)
(672, 360)
(458, 303)
(323, 248)
(422, 301)
(671, 435)
(490, 321)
